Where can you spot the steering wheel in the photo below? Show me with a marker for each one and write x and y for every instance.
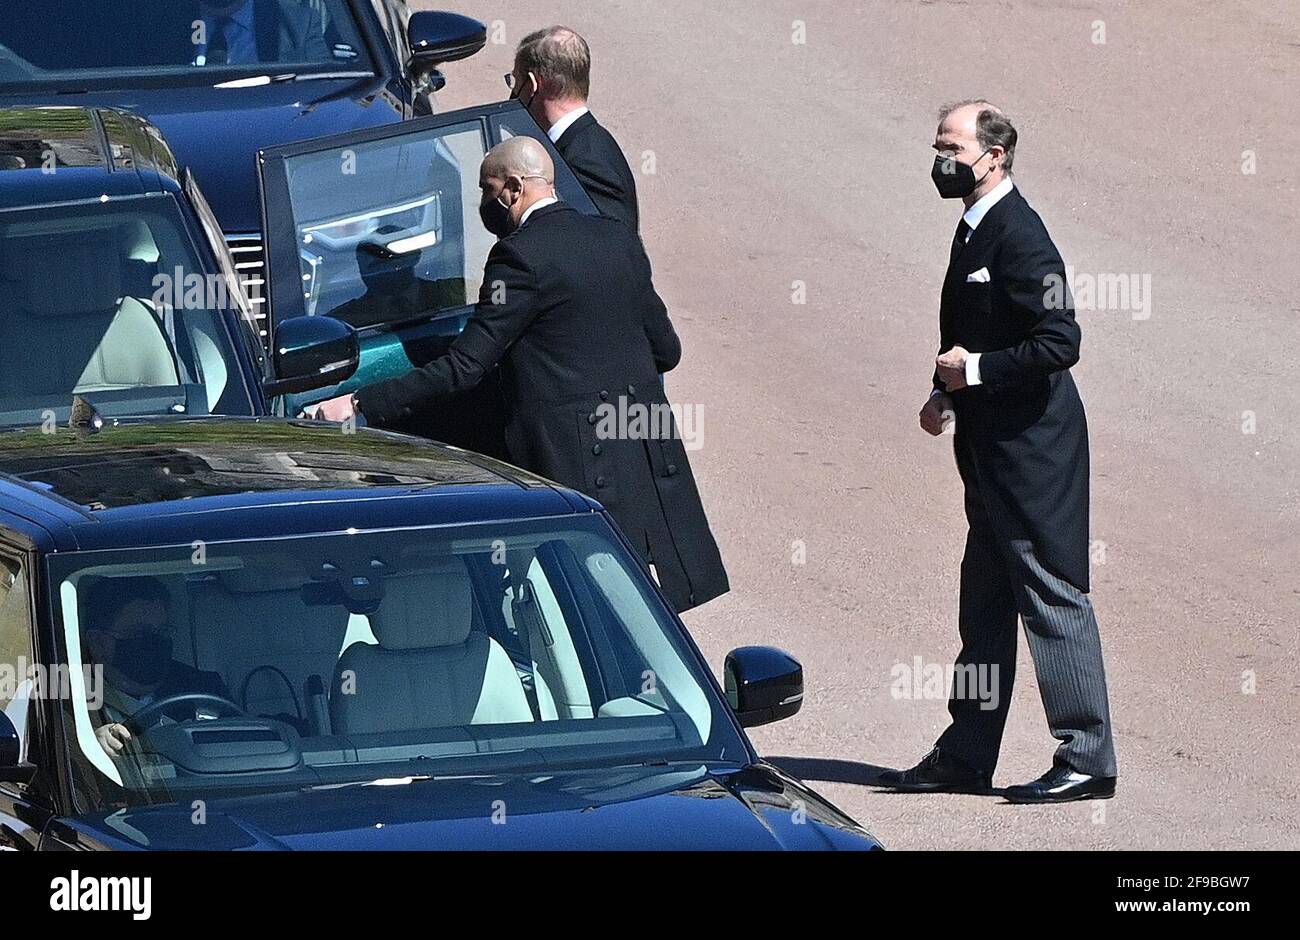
(138, 720)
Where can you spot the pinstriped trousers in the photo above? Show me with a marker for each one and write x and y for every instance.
(1002, 580)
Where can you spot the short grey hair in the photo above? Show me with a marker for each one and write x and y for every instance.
(560, 57)
(992, 127)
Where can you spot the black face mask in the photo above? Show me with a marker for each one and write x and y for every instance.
(143, 659)
(954, 179)
(496, 218)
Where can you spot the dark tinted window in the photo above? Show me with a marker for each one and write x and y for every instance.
(97, 42)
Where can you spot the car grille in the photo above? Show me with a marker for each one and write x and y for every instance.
(250, 265)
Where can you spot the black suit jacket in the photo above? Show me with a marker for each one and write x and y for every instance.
(597, 160)
(569, 311)
(1022, 436)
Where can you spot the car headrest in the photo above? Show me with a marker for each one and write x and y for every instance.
(430, 610)
(138, 242)
(64, 276)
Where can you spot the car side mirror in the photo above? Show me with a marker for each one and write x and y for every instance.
(312, 353)
(12, 770)
(437, 37)
(763, 685)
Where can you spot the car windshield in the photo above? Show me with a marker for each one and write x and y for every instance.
(360, 658)
(107, 300)
(92, 43)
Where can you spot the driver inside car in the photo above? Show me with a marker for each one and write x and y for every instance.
(128, 634)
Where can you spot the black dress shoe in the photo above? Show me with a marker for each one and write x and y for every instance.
(937, 773)
(1062, 785)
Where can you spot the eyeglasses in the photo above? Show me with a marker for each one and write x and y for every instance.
(516, 88)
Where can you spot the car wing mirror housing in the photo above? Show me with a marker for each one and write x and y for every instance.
(437, 37)
(12, 770)
(312, 353)
(763, 685)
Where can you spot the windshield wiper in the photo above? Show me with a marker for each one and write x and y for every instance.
(314, 76)
(254, 81)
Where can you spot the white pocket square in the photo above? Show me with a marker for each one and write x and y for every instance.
(979, 277)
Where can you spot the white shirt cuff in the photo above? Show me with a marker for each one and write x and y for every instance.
(973, 370)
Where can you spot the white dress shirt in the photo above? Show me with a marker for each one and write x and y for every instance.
(539, 204)
(973, 217)
(563, 124)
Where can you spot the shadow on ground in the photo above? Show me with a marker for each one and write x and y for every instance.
(828, 770)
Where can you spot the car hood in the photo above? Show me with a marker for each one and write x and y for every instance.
(642, 809)
(217, 132)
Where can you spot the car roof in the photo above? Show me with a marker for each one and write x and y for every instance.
(55, 154)
(171, 482)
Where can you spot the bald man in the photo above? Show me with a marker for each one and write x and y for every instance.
(1008, 341)
(569, 311)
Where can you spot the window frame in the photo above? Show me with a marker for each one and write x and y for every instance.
(279, 227)
(33, 737)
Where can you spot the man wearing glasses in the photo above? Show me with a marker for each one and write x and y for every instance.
(552, 79)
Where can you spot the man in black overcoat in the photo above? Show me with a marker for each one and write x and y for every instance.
(569, 311)
(552, 79)
(1008, 341)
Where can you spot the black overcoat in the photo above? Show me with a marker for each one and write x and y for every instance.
(569, 311)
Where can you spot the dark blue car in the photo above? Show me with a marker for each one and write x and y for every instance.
(116, 286)
(263, 634)
(292, 70)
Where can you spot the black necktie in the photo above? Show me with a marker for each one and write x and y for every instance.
(959, 241)
(218, 46)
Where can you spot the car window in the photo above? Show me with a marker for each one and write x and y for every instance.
(460, 650)
(44, 42)
(382, 227)
(109, 301)
(388, 230)
(16, 686)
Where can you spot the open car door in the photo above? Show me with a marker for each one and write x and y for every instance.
(380, 228)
